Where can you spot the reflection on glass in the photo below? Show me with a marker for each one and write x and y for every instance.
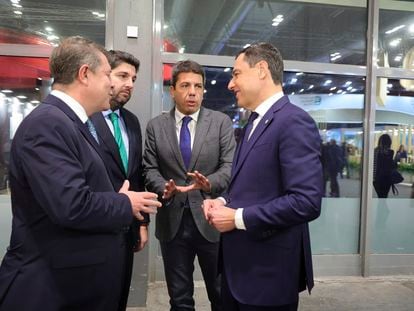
(336, 104)
(24, 83)
(45, 22)
(393, 206)
(396, 34)
(305, 31)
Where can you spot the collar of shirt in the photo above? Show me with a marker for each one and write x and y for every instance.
(106, 113)
(265, 106)
(73, 104)
(179, 116)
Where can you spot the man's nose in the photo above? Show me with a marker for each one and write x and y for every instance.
(230, 86)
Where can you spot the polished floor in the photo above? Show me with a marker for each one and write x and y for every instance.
(330, 294)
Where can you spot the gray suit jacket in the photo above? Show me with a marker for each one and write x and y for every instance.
(212, 155)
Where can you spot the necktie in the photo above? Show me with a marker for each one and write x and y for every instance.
(185, 141)
(245, 134)
(119, 141)
(253, 116)
(92, 130)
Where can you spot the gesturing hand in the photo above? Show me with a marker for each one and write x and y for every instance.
(141, 201)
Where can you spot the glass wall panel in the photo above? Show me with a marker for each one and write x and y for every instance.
(24, 82)
(336, 104)
(47, 21)
(316, 31)
(393, 204)
(396, 34)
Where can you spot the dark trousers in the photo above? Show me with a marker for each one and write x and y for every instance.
(178, 257)
(127, 269)
(229, 303)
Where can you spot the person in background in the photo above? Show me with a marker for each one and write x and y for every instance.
(67, 243)
(383, 166)
(187, 158)
(119, 132)
(275, 190)
(401, 155)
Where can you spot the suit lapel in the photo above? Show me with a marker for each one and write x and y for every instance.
(53, 100)
(170, 131)
(258, 132)
(203, 125)
(107, 139)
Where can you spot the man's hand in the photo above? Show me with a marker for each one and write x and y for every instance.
(143, 233)
(211, 204)
(222, 218)
(200, 182)
(141, 201)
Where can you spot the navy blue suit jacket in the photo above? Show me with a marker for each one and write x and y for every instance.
(113, 160)
(66, 245)
(278, 182)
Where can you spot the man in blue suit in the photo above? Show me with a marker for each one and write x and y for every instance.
(121, 143)
(275, 190)
(67, 243)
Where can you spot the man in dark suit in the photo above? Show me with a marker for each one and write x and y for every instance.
(187, 158)
(274, 191)
(120, 134)
(67, 243)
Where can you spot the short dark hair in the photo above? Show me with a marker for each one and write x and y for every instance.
(187, 66)
(267, 52)
(117, 57)
(71, 54)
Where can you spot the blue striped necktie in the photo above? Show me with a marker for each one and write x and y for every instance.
(92, 130)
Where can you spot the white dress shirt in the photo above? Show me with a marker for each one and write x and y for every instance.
(73, 104)
(191, 125)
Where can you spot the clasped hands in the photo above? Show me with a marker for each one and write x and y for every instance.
(141, 201)
(218, 215)
(200, 182)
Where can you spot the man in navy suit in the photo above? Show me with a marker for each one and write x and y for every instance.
(67, 243)
(274, 191)
(124, 73)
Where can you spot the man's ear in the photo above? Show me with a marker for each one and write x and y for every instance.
(263, 69)
(83, 73)
(172, 91)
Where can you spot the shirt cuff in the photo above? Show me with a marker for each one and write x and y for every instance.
(222, 199)
(238, 219)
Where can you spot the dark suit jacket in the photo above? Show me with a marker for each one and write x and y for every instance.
(66, 247)
(113, 160)
(212, 154)
(278, 182)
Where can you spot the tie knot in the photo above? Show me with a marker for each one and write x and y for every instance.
(186, 120)
(113, 116)
(253, 116)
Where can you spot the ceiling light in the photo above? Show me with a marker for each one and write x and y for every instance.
(349, 88)
(181, 50)
(301, 90)
(293, 80)
(227, 69)
(213, 82)
(328, 82)
(339, 92)
(205, 91)
(7, 91)
(293, 93)
(22, 97)
(347, 83)
(165, 26)
(49, 29)
(395, 42)
(15, 1)
(394, 29)
(299, 73)
(18, 12)
(398, 58)
(310, 87)
(16, 5)
(411, 28)
(332, 88)
(52, 37)
(246, 45)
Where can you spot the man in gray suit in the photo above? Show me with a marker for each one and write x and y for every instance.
(187, 158)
